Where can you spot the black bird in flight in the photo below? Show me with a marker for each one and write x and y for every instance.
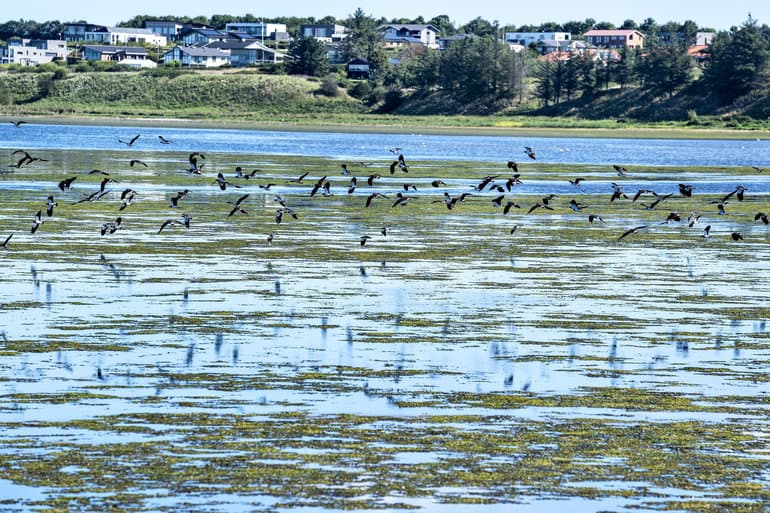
(620, 170)
(246, 176)
(736, 236)
(486, 181)
(163, 140)
(509, 205)
(401, 200)
(530, 152)
(185, 221)
(372, 178)
(365, 238)
(685, 190)
(301, 177)
(110, 228)
(595, 217)
(37, 221)
(133, 162)
(761, 216)
(67, 183)
(18, 123)
(7, 240)
(576, 181)
(130, 142)
(632, 231)
(317, 186)
(372, 196)
(179, 195)
(50, 203)
(222, 182)
(513, 166)
(127, 198)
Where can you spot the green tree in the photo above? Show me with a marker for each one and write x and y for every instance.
(625, 69)
(667, 68)
(308, 57)
(544, 80)
(480, 27)
(444, 25)
(364, 40)
(738, 61)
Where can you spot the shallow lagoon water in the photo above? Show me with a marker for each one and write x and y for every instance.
(447, 366)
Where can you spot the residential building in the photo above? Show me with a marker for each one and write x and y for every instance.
(124, 35)
(134, 56)
(171, 30)
(404, 34)
(617, 38)
(325, 32)
(698, 38)
(248, 52)
(358, 69)
(699, 53)
(260, 30)
(77, 31)
(197, 57)
(533, 38)
(32, 52)
(201, 36)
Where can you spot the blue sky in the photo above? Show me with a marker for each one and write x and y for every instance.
(706, 13)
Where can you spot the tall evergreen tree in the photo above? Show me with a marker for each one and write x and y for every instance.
(308, 57)
(364, 40)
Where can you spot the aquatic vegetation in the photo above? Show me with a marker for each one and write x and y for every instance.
(447, 362)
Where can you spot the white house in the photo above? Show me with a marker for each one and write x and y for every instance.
(403, 34)
(124, 35)
(32, 52)
(197, 57)
(528, 38)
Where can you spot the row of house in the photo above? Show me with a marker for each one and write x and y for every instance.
(243, 44)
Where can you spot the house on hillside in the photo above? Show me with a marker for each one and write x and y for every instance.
(248, 52)
(325, 32)
(124, 35)
(77, 31)
(358, 69)
(617, 38)
(134, 56)
(533, 38)
(260, 30)
(699, 53)
(171, 30)
(197, 57)
(409, 34)
(33, 52)
(201, 36)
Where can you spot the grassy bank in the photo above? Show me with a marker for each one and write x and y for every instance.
(250, 100)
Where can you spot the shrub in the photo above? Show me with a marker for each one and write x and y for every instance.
(329, 86)
(361, 89)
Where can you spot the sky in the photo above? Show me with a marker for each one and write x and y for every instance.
(716, 14)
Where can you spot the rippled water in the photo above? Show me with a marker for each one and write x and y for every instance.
(447, 366)
(652, 152)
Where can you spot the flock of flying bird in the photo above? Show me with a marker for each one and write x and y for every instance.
(496, 185)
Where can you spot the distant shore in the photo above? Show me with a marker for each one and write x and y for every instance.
(389, 124)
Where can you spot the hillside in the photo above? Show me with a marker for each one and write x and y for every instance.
(180, 94)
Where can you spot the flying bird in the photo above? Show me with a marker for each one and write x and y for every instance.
(761, 216)
(620, 170)
(372, 196)
(185, 221)
(736, 236)
(530, 152)
(163, 140)
(110, 228)
(685, 190)
(632, 231)
(18, 123)
(7, 240)
(133, 162)
(127, 198)
(37, 221)
(179, 195)
(67, 183)
(131, 141)
(365, 238)
(50, 203)
(222, 182)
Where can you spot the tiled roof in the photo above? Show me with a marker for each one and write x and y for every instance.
(615, 32)
(133, 50)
